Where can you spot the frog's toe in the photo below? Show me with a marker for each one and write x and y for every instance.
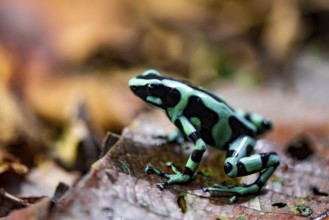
(210, 189)
(177, 177)
(161, 186)
(173, 167)
(221, 186)
(149, 169)
(233, 199)
(205, 189)
(169, 164)
(216, 185)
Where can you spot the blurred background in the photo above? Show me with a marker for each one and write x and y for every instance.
(65, 64)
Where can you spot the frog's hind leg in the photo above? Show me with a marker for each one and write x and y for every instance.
(238, 163)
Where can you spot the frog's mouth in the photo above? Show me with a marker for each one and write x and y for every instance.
(142, 93)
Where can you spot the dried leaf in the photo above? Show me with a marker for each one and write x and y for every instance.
(131, 188)
(79, 146)
(35, 211)
(9, 202)
(9, 162)
(284, 18)
(43, 180)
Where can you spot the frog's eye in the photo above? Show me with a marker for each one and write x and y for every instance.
(151, 72)
(155, 90)
(150, 88)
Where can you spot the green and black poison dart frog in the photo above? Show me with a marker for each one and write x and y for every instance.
(206, 119)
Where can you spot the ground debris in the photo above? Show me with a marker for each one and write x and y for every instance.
(117, 182)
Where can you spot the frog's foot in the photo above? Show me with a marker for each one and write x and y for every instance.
(178, 177)
(237, 191)
(244, 190)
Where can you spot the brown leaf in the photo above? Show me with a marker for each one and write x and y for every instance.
(9, 202)
(79, 145)
(36, 211)
(9, 162)
(118, 183)
(43, 179)
(284, 18)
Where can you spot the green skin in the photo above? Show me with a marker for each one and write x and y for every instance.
(206, 119)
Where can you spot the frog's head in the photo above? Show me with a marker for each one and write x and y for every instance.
(155, 89)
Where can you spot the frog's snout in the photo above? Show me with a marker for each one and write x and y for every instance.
(132, 85)
(133, 88)
(137, 89)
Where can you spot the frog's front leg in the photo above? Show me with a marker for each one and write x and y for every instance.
(193, 162)
(237, 163)
(175, 136)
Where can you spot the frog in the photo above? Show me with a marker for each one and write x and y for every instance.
(206, 119)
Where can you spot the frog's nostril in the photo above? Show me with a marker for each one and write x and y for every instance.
(133, 88)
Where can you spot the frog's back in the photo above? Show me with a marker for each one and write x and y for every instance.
(216, 121)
